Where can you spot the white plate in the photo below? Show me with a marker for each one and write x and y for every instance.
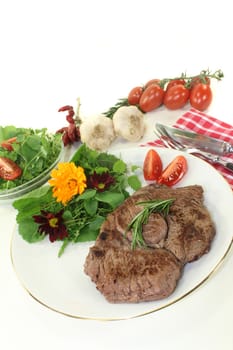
(61, 285)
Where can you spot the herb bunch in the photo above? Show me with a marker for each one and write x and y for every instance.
(108, 180)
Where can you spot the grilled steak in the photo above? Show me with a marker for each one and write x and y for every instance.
(123, 274)
(126, 275)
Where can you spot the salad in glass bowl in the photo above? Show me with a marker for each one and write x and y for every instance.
(27, 157)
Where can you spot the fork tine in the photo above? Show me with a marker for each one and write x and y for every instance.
(160, 136)
(169, 143)
(166, 141)
(175, 143)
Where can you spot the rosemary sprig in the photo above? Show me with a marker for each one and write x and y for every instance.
(136, 225)
(121, 102)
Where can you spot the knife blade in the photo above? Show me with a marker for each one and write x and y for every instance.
(193, 139)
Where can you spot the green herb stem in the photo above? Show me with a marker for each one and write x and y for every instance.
(28, 164)
(136, 225)
(121, 102)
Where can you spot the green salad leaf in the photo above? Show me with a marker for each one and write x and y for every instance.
(34, 151)
(84, 213)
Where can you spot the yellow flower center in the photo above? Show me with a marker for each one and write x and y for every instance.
(53, 222)
(101, 186)
(72, 183)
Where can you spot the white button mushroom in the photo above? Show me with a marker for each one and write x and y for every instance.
(128, 122)
(97, 132)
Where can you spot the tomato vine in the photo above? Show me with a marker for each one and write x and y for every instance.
(147, 98)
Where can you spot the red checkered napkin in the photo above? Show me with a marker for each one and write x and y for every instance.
(202, 123)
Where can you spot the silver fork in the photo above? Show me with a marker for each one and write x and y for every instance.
(211, 158)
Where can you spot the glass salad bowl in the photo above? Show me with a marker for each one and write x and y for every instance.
(52, 151)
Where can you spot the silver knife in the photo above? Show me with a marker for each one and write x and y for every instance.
(192, 139)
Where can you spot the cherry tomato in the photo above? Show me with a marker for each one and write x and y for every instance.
(152, 166)
(152, 82)
(176, 97)
(7, 144)
(9, 170)
(175, 82)
(174, 172)
(134, 95)
(201, 96)
(197, 80)
(151, 98)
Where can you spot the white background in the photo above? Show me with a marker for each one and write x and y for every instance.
(52, 52)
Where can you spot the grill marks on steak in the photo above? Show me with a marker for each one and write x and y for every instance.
(125, 275)
(190, 233)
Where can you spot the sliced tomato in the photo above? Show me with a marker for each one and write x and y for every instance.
(152, 166)
(9, 170)
(174, 172)
(7, 144)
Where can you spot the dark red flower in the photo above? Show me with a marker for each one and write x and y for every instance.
(51, 224)
(100, 182)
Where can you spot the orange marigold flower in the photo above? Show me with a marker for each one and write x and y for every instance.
(67, 181)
